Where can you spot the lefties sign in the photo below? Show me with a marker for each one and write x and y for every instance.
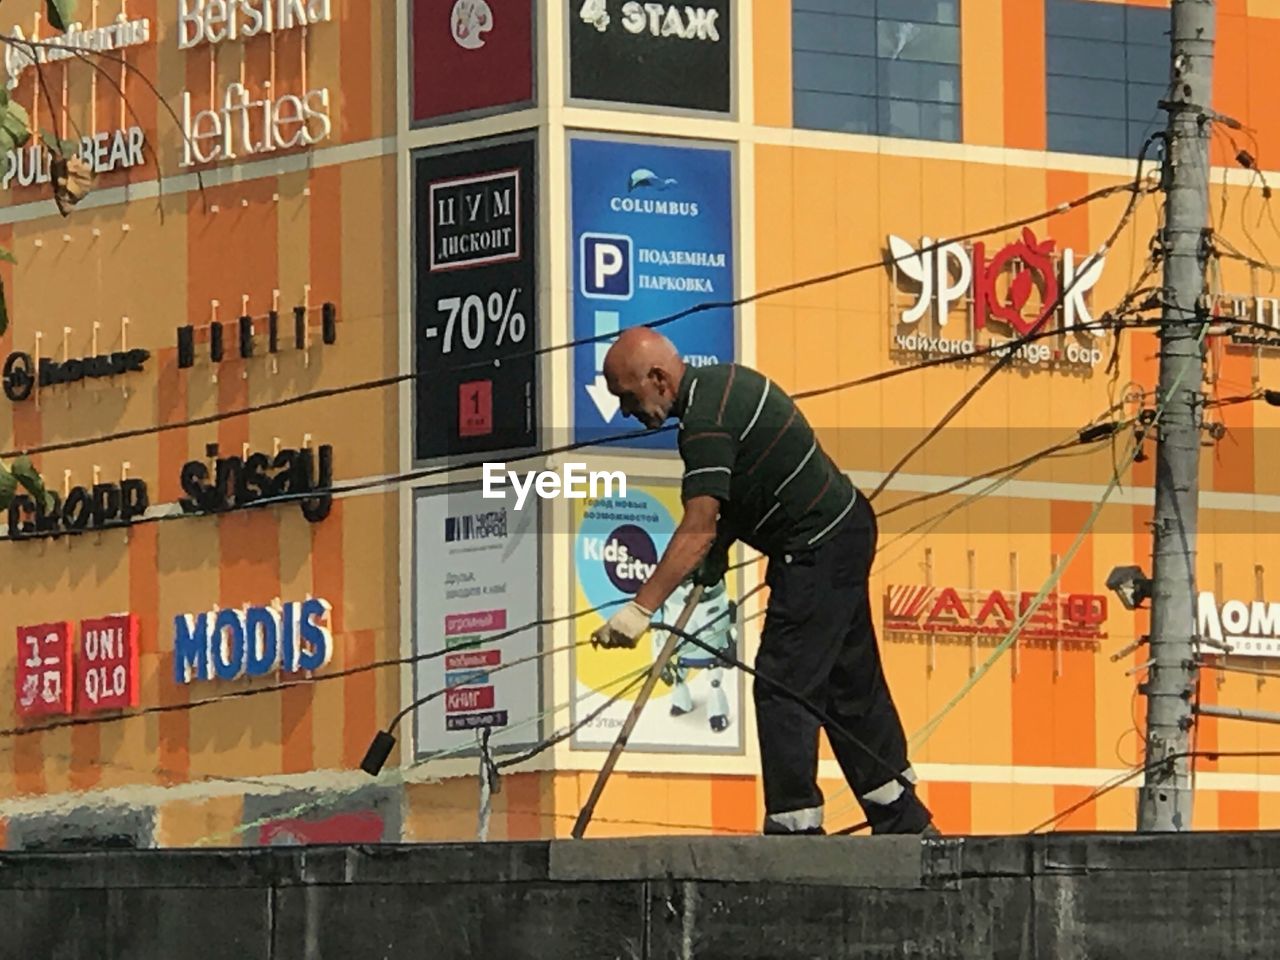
(247, 117)
(996, 292)
(471, 56)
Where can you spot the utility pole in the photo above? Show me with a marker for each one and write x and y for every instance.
(1164, 803)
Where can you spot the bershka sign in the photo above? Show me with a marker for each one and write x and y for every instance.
(118, 35)
(238, 482)
(215, 21)
(994, 293)
(952, 614)
(246, 119)
(252, 642)
(19, 381)
(1248, 629)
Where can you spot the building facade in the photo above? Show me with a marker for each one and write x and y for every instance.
(369, 248)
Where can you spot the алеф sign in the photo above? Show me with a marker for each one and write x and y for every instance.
(948, 612)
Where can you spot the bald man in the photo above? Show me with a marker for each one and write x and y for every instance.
(754, 472)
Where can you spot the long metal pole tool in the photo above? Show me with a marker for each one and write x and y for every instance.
(651, 681)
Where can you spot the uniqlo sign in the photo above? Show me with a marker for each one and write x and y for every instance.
(43, 671)
(471, 56)
(107, 667)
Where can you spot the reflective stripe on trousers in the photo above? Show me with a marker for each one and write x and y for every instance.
(794, 821)
(887, 793)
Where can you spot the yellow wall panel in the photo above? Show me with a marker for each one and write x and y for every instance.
(982, 40)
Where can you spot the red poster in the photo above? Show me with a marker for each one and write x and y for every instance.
(340, 828)
(464, 699)
(107, 667)
(470, 55)
(475, 408)
(473, 658)
(43, 670)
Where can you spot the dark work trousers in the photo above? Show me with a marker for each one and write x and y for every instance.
(820, 642)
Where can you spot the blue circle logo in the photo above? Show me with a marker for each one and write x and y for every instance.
(618, 545)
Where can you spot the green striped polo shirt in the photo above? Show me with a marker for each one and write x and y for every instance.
(744, 442)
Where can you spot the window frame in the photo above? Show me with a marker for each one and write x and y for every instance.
(1134, 42)
(866, 20)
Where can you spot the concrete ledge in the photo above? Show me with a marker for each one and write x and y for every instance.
(1054, 897)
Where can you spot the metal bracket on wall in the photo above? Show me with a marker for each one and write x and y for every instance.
(941, 863)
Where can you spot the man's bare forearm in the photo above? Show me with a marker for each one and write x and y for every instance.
(682, 556)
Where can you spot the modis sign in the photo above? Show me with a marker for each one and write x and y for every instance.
(951, 613)
(1008, 291)
(252, 641)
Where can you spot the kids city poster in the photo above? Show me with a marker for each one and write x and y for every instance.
(696, 706)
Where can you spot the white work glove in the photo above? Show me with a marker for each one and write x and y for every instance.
(624, 628)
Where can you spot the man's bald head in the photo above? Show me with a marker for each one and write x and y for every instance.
(644, 369)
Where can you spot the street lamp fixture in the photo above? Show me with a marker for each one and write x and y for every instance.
(1131, 585)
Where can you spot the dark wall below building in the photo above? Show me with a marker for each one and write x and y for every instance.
(1061, 897)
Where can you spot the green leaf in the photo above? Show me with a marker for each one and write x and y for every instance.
(50, 140)
(25, 472)
(8, 487)
(61, 13)
(15, 122)
(7, 256)
(4, 95)
(70, 148)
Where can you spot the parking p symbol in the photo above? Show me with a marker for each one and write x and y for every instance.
(606, 266)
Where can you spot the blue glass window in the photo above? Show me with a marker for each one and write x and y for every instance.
(1107, 69)
(886, 67)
